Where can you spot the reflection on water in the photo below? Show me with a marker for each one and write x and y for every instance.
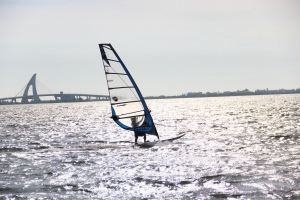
(235, 147)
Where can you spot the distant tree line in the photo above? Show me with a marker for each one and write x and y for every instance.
(228, 93)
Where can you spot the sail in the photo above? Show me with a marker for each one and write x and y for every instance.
(128, 107)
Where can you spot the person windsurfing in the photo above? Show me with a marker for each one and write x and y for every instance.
(142, 134)
(137, 134)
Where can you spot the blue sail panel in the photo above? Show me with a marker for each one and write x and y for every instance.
(129, 109)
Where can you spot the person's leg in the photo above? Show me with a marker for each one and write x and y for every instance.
(144, 137)
(136, 137)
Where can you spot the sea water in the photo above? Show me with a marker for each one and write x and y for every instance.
(235, 147)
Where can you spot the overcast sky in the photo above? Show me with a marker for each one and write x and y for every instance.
(170, 47)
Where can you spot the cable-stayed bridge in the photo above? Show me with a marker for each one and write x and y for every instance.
(43, 91)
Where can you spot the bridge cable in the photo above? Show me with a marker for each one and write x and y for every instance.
(41, 90)
(44, 88)
(21, 90)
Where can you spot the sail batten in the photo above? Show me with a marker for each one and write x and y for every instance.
(116, 73)
(112, 60)
(120, 87)
(131, 112)
(130, 116)
(128, 107)
(106, 47)
(124, 102)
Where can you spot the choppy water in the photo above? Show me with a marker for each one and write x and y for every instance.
(235, 147)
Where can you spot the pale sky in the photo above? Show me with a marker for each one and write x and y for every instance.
(170, 47)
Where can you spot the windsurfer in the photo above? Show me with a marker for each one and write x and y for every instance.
(137, 134)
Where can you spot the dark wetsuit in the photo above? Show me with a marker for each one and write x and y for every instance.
(137, 134)
(145, 125)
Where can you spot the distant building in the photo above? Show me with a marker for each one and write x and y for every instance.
(194, 94)
(260, 91)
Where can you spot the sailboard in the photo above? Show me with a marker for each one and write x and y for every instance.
(128, 107)
(153, 143)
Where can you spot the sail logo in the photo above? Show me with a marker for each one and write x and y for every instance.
(115, 98)
(142, 128)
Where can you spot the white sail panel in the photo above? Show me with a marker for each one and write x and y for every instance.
(128, 107)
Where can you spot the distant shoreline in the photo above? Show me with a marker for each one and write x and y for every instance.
(151, 97)
(245, 92)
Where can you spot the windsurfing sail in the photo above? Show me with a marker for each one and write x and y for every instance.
(128, 107)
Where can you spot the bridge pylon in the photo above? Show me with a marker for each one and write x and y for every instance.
(36, 97)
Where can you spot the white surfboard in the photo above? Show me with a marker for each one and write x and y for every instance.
(151, 144)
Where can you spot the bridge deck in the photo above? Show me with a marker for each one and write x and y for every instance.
(54, 95)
